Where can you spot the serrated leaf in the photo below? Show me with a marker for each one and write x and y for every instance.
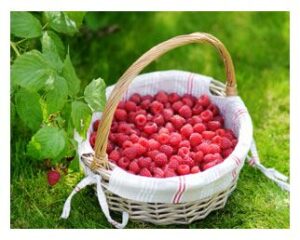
(70, 75)
(47, 143)
(31, 70)
(28, 108)
(60, 47)
(94, 94)
(81, 117)
(25, 25)
(61, 22)
(57, 96)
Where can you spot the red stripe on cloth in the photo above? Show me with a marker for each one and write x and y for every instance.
(233, 174)
(182, 191)
(237, 160)
(178, 190)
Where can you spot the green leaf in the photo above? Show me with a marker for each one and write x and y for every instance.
(94, 94)
(63, 23)
(31, 70)
(77, 17)
(70, 75)
(74, 165)
(47, 143)
(57, 96)
(81, 117)
(25, 25)
(60, 47)
(28, 108)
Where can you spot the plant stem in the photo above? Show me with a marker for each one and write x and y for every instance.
(14, 47)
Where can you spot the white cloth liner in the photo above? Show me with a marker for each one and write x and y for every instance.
(190, 187)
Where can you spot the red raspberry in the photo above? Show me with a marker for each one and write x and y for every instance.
(152, 154)
(170, 172)
(131, 117)
(139, 148)
(198, 157)
(124, 128)
(130, 152)
(134, 138)
(217, 140)
(147, 97)
(123, 162)
(134, 167)
(158, 119)
(219, 119)
(208, 135)
(186, 130)
(214, 109)
(163, 130)
(161, 159)
(185, 143)
(166, 149)
(234, 142)
(199, 127)
(167, 113)
(175, 139)
(188, 99)
(96, 125)
(209, 165)
(183, 152)
(177, 121)
(110, 147)
(114, 126)
(213, 125)
(130, 106)
(140, 120)
(135, 98)
(221, 132)
(115, 155)
(197, 109)
(195, 169)
(203, 147)
(156, 107)
(177, 105)
(188, 161)
(162, 97)
(183, 169)
(194, 120)
(167, 105)
(121, 115)
(121, 105)
(144, 162)
(225, 143)
(53, 177)
(121, 137)
(195, 139)
(227, 152)
(150, 128)
(214, 148)
(93, 139)
(204, 100)
(174, 161)
(145, 172)
(144, 142)
(149, 117)
(170, 127)
(145, 104)
(173, 97)
(206, 115)
(185, 111)
(158, 172)
(212, 157)
(229, 134)
(153, 144)
(163, 138)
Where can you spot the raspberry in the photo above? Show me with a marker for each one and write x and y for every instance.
(53, 177)
(166, 149)
(130, 106)
(158, 119)
(173, 97)
(203, 147)
(183, 169)
(227, 152)
(145, 172)
(216, 139)
(147, 97)
(145, 104)
(221, 132)
(195, 139)
(131, 117)
(197, 109)
(170, 127)
(121, 105)
(234, 142)
(213, 125)
(110, 147)
(204, 100)
(149, 117)
(135, 98)
(195, 169)
(139, 148)
(115, 155)
(214, 148)
(229, 134)
(140, 120)
(130, 152)
(185, 111)
(183, 152)
(186, 130)
(177, 105)
(194, 120)
(174, 161)
(199, 127)
(188, 100)
(167, 105)
(134, 138)
(177, 121)
(124, 128)
(161, 159)
(162, 97)
(225, 143)
(144, 142)
(169, 173)
(214, 109)
(144, 162)
(158, 172)
(188, 161)
(208, 135)
(175, 139)
(152, 154)
(93, 139)
(156, 107)
(121, 137)
(121, 115)
(114, 126)
(206, 115)
(219, 119)
(150, 128)
(163, 138)
(209, 165)
(212, 157)
(167, 114)
(96, 125)
(123, 162)
(163, 130)
(185, 143)
(134, 167)
(198, 157)
(153, 144)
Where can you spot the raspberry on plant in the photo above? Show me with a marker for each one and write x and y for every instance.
(53, 177)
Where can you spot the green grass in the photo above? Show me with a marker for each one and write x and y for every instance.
(259, 45)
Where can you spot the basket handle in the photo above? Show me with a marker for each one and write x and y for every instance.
(100, 158)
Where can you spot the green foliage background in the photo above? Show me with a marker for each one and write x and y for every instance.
(108, 43)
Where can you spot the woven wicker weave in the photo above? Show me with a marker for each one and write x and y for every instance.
(159, 213)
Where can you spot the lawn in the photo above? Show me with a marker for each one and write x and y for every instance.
(106, 46)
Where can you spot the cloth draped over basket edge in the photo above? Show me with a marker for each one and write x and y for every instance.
(184, 188)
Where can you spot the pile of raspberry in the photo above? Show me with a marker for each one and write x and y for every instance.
(167, 135)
